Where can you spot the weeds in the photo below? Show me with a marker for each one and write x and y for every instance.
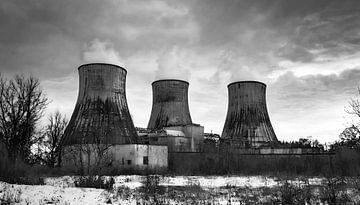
(95, 182)
(9, 196)
(334, 191)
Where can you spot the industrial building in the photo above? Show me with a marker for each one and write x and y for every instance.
(176, 141)
(101, 134)
(170, 112)
(101, 129)
(247, 123)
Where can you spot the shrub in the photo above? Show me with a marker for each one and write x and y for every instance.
(94, 182)
(334, 191)
(10, 196)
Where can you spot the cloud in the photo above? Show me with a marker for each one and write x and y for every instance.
(329, 32)
(171, 65)
(101, 51)
(306, 51)
(314, 102)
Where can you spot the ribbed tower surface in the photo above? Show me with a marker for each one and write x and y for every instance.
(170, 104)
(247, 118)
(101, 114)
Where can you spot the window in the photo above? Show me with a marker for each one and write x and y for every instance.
(123, 161)
(129, 162)
(146, 160)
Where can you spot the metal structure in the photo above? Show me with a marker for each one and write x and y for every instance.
(101, 114)
(170, 104)
(247, 122)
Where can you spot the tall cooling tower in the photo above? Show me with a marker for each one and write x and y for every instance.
(170, 104)
(101, 113)
(247, 118)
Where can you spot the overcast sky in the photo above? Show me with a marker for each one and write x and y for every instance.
(307, 52)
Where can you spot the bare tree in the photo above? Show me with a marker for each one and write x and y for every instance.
(52, 138)
(22, 104)
(89, 158)
(350, 137)
(354, 104)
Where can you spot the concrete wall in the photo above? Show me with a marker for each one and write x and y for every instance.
(174, 143)
(228, 163)
(89, 160)
(270, 151)
(157, 156)
(195, 132)
(179, 144)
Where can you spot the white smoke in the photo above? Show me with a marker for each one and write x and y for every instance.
(97, 51)
(171, 65)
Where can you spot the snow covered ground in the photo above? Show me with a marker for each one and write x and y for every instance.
(136, 181)
(170, 190)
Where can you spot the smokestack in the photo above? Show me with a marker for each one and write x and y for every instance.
(170, 104)
(101, 113)
(247, 118)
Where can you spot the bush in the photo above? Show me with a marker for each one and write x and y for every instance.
(9, 196)
(95, 182)
(151, 185)
(334, 191)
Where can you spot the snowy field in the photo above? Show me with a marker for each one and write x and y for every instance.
(169, 190)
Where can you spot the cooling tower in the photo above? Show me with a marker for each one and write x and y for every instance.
(247, 118)
(170, 104)
(101, 113)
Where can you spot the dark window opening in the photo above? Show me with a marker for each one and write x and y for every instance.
(129, 162)
(123, 161)
(146, 160)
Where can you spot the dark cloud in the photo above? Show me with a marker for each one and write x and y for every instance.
(210, 43)
(317, 87)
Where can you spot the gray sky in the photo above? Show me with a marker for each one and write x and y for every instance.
(307, 52)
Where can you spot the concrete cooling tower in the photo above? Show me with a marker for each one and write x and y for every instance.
(101, 113)
(170, 104)
(247, 119)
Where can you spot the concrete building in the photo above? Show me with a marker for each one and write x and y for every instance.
(175, 140)
(95, 158)
(170, 111)
(247, 122)
(101, 125)
(194, 132)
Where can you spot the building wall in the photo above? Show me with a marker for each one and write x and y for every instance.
(232, 163)
(270, 151)
(179, 144)
(195, 132)
(116, 157)
(174, 143)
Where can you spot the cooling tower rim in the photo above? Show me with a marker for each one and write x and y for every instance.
(108, 64)
(156, 81)
(247, 81)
